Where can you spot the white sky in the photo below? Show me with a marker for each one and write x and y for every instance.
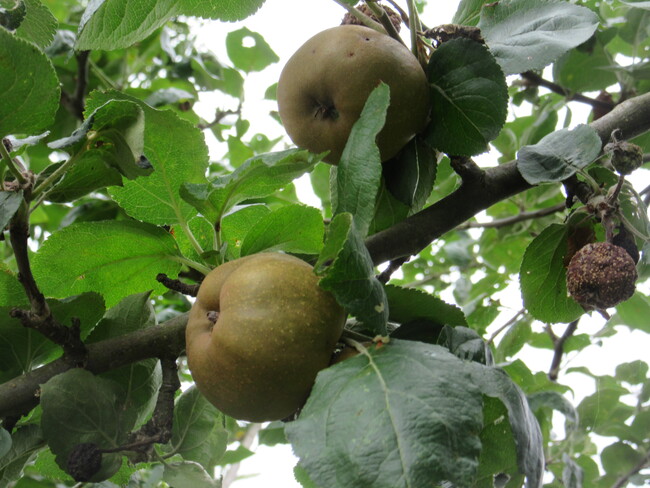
(285, 25)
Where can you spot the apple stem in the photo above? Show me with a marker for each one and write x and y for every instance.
(414, 27)
(367, 21)
(383, 17)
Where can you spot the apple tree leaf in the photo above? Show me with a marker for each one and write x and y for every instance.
(359, 171)
(468, 98)
(115, 150)
(25, 442)
(29, 86)
(346, 270)
(188, 474)
(407, 304)
(249, 58)
(384, 437)
(114, 258)
(294, 228)
(527, 35)
(468, 12)
(178, 153)
(411, 175)
(9, 203)
(559, 155)
(39, 25)
(236, 225)
(141, 380)
(542, 278)
(116, 24)
(96, 415)
(199, 433)
(258, 177)
(11, 291)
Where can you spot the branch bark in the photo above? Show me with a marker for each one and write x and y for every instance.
(410, 236)
(20, 395)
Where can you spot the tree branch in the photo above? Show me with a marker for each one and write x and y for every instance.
(558, 352)
(413, 234)
(523, 216)
(20, 395)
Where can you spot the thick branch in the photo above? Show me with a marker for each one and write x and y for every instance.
(410, 236)
(20, 395)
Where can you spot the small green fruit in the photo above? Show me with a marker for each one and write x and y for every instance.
(325, 84)
(260, 330)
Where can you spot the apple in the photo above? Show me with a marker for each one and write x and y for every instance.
(325, 84)
(260, 330)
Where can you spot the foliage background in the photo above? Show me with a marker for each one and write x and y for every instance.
(490, 258)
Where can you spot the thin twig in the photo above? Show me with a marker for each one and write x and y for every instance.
(559, 349)
(177, 285)
(158, 430)
(623, 480)
(510, 322)
(75, 103)
(521, 217)
(247, 442)
(393, 266)
(560, 90)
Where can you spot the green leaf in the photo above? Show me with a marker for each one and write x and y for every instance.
(468, 12)
(140, 380)
(556, 401)
(199, 432)
(620, 458)
(39, 25)
(408, 304)
(634, 313)
(582, 70)
(96, 415)
(131, 314)
(188, 474)
(116, 147)
(236, 225)
(25, 442)
(249, 58)
(527, 35)
(517, 335)
(9, 203)
(178, 153)
(468, 98)
(634, 372)
(498, 449)
(408, 414)
(29, 86)
(466, 344)
(114, 258)
(542, 278)
(258, 177)
(227, 10)
(350, 277)
(118, 24)
(559, 155)
(411, 175)
(293, 228)
(359, 171)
